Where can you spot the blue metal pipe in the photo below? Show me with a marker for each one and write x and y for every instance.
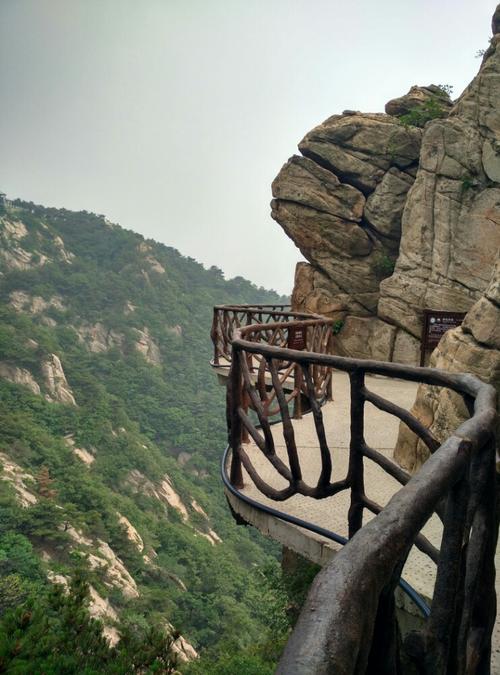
(333, 536)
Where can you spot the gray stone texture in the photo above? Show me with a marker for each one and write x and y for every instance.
(394, 219)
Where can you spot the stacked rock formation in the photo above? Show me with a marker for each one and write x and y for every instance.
(331, 202)
(394, 218)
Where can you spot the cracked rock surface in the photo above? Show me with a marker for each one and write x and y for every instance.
(393, 218)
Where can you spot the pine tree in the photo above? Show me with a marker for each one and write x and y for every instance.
(43, 484)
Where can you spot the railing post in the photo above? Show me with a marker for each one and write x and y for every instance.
(234, 390)
(245, 402)
(329, 372)
(213, 335)
(249, 358)
(245, 398)
(479, 611)
(441, 630)
(297, 385)
(384, 658)
(225, 334)
(329, 389)
(356, 467)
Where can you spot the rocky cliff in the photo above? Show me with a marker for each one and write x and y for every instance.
(472, 348)
(397, 212)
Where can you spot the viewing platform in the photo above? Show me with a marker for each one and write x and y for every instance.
(310, 465)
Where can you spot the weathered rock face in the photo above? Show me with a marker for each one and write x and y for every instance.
(314, 292)
(116, 574)
(36, 305)
(393, 218)
(99, 338)
(14, 257)
(148, 347)
(21, 481)
(100, 608)
(358, 331)
(451, 221)
(473, 348)
(165, 492)
(19, 376)
(131, 532)
(384, 206)
(417, 98)
(153, 263)
(360, 148)
(183, 649)
(88, 458)
(348, 227)
(55, 381)
(303, 182)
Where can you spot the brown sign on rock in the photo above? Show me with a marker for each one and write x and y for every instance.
(297, 337)
(436, 323)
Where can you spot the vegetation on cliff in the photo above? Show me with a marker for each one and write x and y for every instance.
(112, 429)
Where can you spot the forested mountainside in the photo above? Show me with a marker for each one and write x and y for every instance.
(112, 427)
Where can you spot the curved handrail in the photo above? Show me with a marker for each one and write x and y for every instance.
(311, 527)
(459, 475)
(227, 318)
(279, 328)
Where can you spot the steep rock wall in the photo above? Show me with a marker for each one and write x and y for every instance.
(393, 218)
(451, 221)
(472, 348)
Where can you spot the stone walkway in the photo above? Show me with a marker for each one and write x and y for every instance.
(381, 432)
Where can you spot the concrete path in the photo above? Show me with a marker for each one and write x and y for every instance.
(381, 432)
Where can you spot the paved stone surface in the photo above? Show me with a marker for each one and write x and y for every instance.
(381, 432)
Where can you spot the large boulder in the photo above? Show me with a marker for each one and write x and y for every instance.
(358, 334)
(430, 100)
(360, 148)
(303, 182)
(342, 202)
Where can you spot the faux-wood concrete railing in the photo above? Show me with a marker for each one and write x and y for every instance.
(275, 325)
(227, 318)
(348, 622)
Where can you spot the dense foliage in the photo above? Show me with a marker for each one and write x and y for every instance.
(141, 421)
(53, 633)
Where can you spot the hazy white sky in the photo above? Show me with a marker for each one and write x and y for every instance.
(172, 117)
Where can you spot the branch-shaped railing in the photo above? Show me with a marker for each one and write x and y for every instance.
(348, 623)
(277, 326)
(227, 318)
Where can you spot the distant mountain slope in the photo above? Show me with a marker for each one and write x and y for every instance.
(111, 428)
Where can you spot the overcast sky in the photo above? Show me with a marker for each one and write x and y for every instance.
(172, 117)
